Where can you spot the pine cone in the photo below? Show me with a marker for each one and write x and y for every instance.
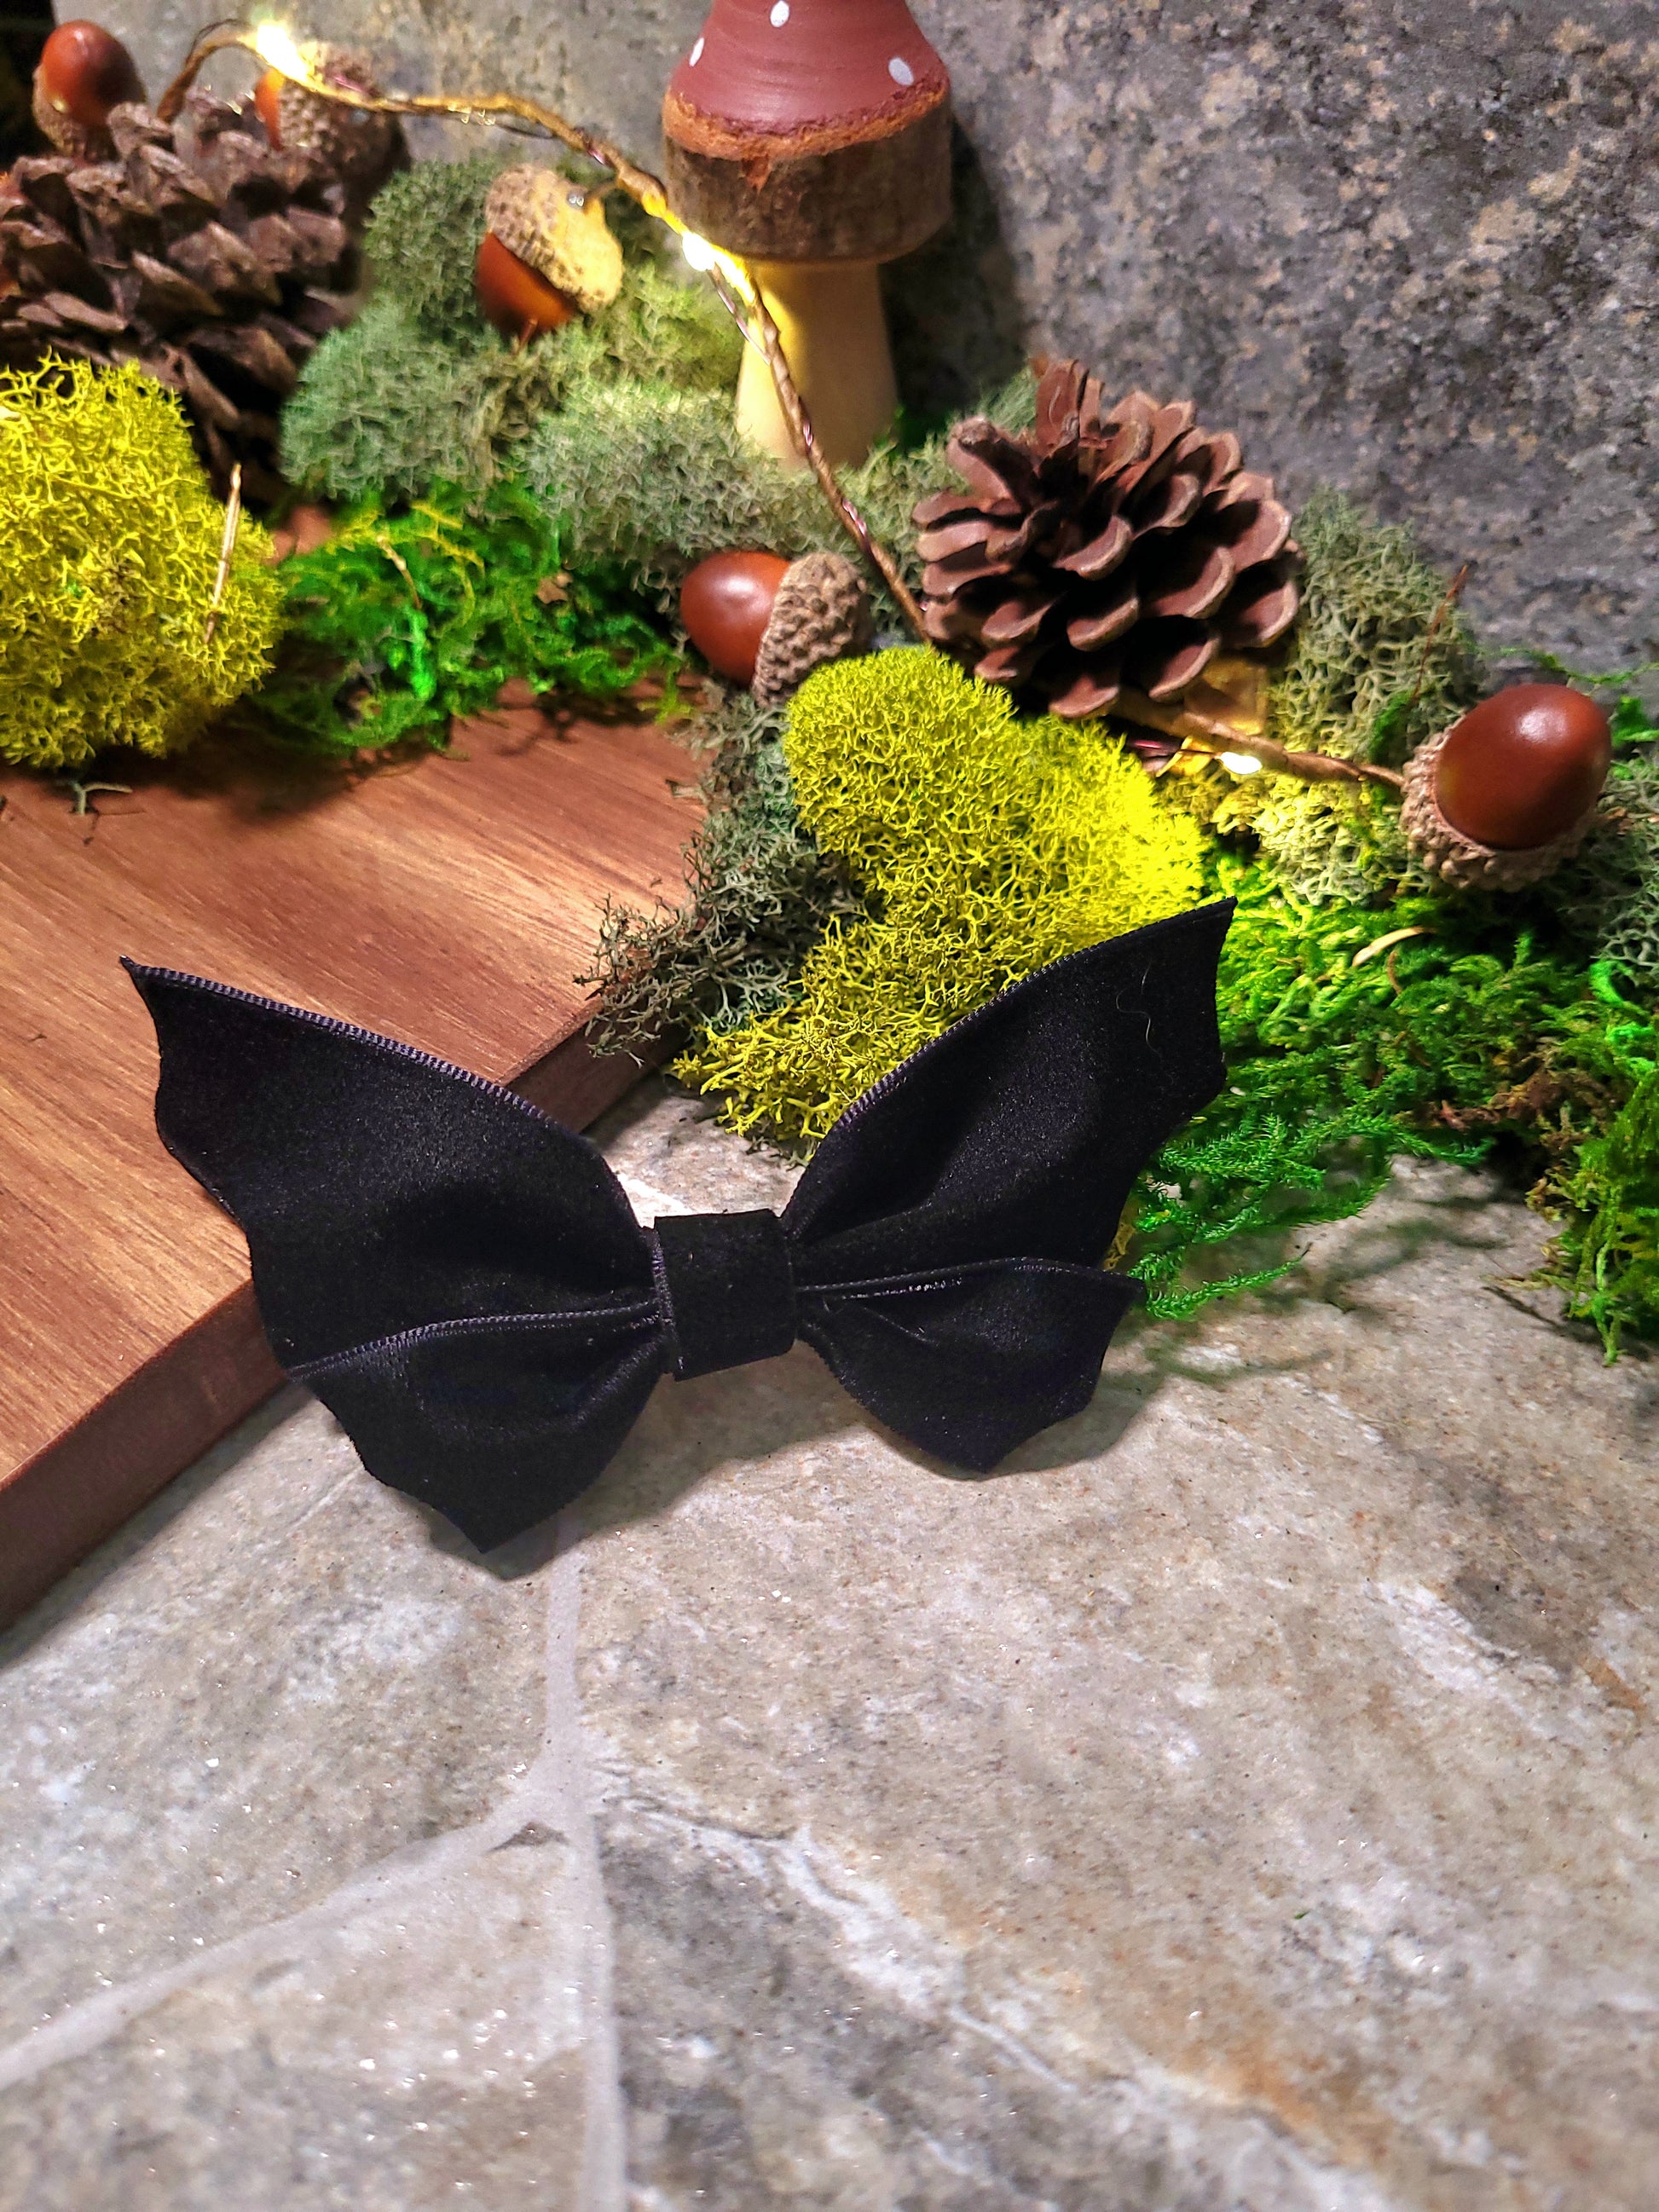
(822, 613)
(1111, 551)
(200, 252)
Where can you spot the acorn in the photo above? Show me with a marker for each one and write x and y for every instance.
(361, 147)
(548, 253)
(83, 72)
(1507, 793)
(767, 621)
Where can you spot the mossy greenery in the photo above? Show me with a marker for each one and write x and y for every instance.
(984, 846)
(419, 387)
(404, 620)
(1406, 1020)
(111, 632)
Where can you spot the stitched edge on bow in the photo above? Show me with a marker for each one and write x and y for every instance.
(897, 1286)
(389, 1045)
(954, 1031)
(627, 1320)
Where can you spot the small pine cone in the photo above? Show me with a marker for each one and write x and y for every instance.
(359, 146)
(1112, 549)
(1457, 859)
(822, 613)
(558, 229)
(211, 257)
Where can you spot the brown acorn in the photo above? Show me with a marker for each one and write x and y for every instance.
(1507, 793)
(726, 603)
(520, 304)
(768, 622)
(548, 253)
(83, 72)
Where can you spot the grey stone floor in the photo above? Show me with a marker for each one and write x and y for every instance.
(1244, 1802)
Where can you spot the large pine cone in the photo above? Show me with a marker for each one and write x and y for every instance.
(1110, 551)
(200, 252)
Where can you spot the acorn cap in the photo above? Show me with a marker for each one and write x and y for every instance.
(809, 130)
(1459, 861)
(559, 230)
(822, 613)
(359, 146)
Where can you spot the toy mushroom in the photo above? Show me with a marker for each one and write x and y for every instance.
(548, 253)
(768, 622)
(83, 72)
(812, 139)
(1507, 793)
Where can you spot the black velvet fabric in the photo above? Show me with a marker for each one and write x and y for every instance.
(463, 1283)
(727, 1284)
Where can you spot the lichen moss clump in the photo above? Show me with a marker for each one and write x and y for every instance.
(419, 387)
(984, 846)
(109, 631)
(760, 896)
(1378, 662)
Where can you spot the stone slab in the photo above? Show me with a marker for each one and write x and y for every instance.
(1243, 1798)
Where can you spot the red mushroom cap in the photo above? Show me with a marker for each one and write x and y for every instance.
(805, 76)
(84, 71)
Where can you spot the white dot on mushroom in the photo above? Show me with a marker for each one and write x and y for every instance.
(900, 71)
(696, 53)
(780, 15)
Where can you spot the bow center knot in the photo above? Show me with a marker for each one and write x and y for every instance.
(726, 1288)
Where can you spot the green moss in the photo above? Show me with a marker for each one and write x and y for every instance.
(383, 407)
(402, 621)
(1472, 1031)
(658, 479)
(1610, 892)
(984, 847)
(419, 387)
(113, 538)
(760, 894)
(1361, 643)
(422, 238)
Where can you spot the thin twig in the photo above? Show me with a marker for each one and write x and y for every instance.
(1454, 593)
(227, 545)
(1307, 768)
(640, 185)
(80, 794)
(800, 427)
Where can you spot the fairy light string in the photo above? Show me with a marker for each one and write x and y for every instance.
(272, 43)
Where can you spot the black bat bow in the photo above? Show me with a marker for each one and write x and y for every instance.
(463, 1283)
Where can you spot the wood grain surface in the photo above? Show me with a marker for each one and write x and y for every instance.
(450, 903)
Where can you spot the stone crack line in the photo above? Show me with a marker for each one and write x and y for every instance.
(563, 1765)
(553, 1793)
(926, 1976)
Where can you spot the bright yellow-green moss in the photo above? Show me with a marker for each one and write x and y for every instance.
(985, 846)
(112, 540)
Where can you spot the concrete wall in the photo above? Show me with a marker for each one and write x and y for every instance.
(1408, 246)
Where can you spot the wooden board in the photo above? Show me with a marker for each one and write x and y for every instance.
(451, 904)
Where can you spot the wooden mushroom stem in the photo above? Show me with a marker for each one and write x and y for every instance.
(834, 333)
